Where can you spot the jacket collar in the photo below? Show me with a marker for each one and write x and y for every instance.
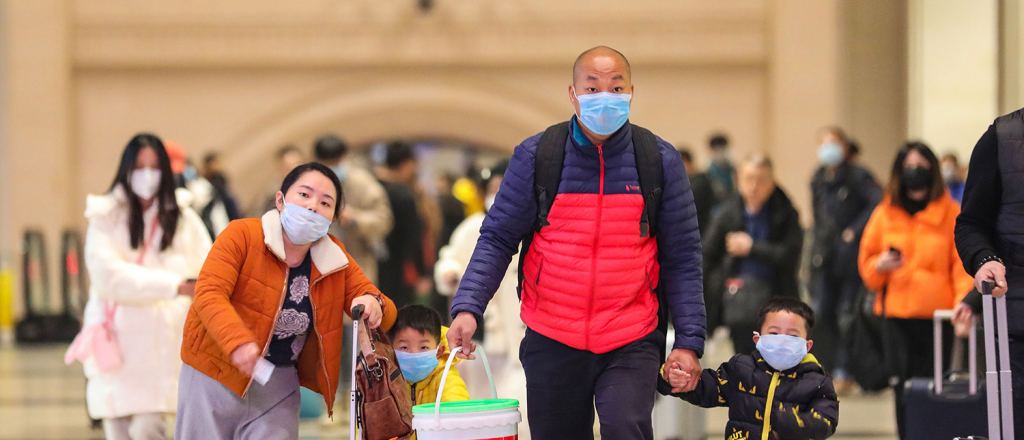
(327, 255)
(614, 145)
(933, 214)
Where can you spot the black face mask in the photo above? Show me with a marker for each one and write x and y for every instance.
(916, 178)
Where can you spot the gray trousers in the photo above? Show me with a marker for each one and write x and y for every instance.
(150, 426)
(209, 411)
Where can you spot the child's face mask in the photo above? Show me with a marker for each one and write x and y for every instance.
(416, 366)
(782, 352)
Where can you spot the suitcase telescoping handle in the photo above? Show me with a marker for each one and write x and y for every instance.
(997, 376)
(972, 352)
(357, 316)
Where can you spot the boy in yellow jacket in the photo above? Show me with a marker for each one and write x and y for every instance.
(421, 349)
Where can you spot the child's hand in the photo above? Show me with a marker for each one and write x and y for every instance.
(678, 378)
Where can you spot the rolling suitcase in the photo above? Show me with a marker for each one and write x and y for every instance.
(945, 406)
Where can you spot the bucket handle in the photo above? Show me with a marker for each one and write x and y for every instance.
(444, 378)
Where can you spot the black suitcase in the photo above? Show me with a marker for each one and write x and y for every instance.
(944, 407)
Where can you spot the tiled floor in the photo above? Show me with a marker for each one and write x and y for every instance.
(41, 398)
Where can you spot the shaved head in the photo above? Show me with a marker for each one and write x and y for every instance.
(595, 53)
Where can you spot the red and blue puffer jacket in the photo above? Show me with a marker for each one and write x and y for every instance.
(589, 277)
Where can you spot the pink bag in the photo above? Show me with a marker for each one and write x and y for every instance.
(100, 341)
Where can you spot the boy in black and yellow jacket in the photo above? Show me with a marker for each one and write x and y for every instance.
(778, 392)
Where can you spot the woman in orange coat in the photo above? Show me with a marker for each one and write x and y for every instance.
(908, 257)
(276, 289)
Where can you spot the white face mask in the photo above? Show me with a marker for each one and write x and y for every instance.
(488, 202)
(145, 182)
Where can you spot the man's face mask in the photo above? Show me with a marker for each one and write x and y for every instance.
(603, 113)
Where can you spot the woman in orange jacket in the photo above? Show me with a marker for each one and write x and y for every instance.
(908, 257)
(273, 289)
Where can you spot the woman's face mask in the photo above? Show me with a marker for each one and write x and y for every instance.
(916, 178)
(145, 182)
(307, 210)
(302, 225)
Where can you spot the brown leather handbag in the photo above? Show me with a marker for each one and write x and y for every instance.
(383, 401)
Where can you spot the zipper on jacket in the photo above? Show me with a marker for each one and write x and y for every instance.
(766, 427)
(597, 238)
(320, 342)
(266, 346)
(540, 268)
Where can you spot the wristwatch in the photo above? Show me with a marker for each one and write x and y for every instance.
(377, 296)
(989, 259)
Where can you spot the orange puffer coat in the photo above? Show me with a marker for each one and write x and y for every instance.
(239, 295)
(932, 276)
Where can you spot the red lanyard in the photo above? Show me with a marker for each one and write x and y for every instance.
(146, 244)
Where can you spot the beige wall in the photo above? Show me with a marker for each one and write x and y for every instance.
(244, 77)
(954, 72)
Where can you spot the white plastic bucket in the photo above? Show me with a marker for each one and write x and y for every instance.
(490, 419)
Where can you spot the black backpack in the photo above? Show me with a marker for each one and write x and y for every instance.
(549, 160)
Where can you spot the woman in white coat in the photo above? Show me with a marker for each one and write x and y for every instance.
(503, 328)
(143, 249)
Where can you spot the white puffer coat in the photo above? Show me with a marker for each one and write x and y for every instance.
(150, 314)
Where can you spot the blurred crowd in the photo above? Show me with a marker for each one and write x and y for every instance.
(415, 243)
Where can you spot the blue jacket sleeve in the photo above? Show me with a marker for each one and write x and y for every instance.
(507, 223)
(679, 254)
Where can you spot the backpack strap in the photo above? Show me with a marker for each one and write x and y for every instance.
(547, 175)
(650, 169)
(549, 159)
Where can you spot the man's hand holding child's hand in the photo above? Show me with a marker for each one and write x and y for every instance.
(678, 378)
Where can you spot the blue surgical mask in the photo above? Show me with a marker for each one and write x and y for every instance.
(416, 366)
(603, 113)
(341, 170)
(302, 225)
(782, 352)
(830, 154)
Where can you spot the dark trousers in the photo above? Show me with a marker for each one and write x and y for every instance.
(910, 353)
(563, 385)
(833, 298)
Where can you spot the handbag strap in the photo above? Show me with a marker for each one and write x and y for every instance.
(366, 341)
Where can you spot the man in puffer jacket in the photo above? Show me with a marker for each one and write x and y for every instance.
(590, 273)
(778, 392)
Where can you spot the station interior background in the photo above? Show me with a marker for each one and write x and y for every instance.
(467, 81)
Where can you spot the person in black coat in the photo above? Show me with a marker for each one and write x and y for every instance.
(779, 387)
(990, 237)
(843, 196)
(751, 252)
(703, 192)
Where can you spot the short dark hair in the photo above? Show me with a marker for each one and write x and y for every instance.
(398, 153)
(420, 318)
(854, 148)
(786, 304)
(579, 59)
(294, 175)
(329, 147)
(685, 154)
(718, 140)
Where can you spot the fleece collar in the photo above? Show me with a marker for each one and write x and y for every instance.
(327, 256)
